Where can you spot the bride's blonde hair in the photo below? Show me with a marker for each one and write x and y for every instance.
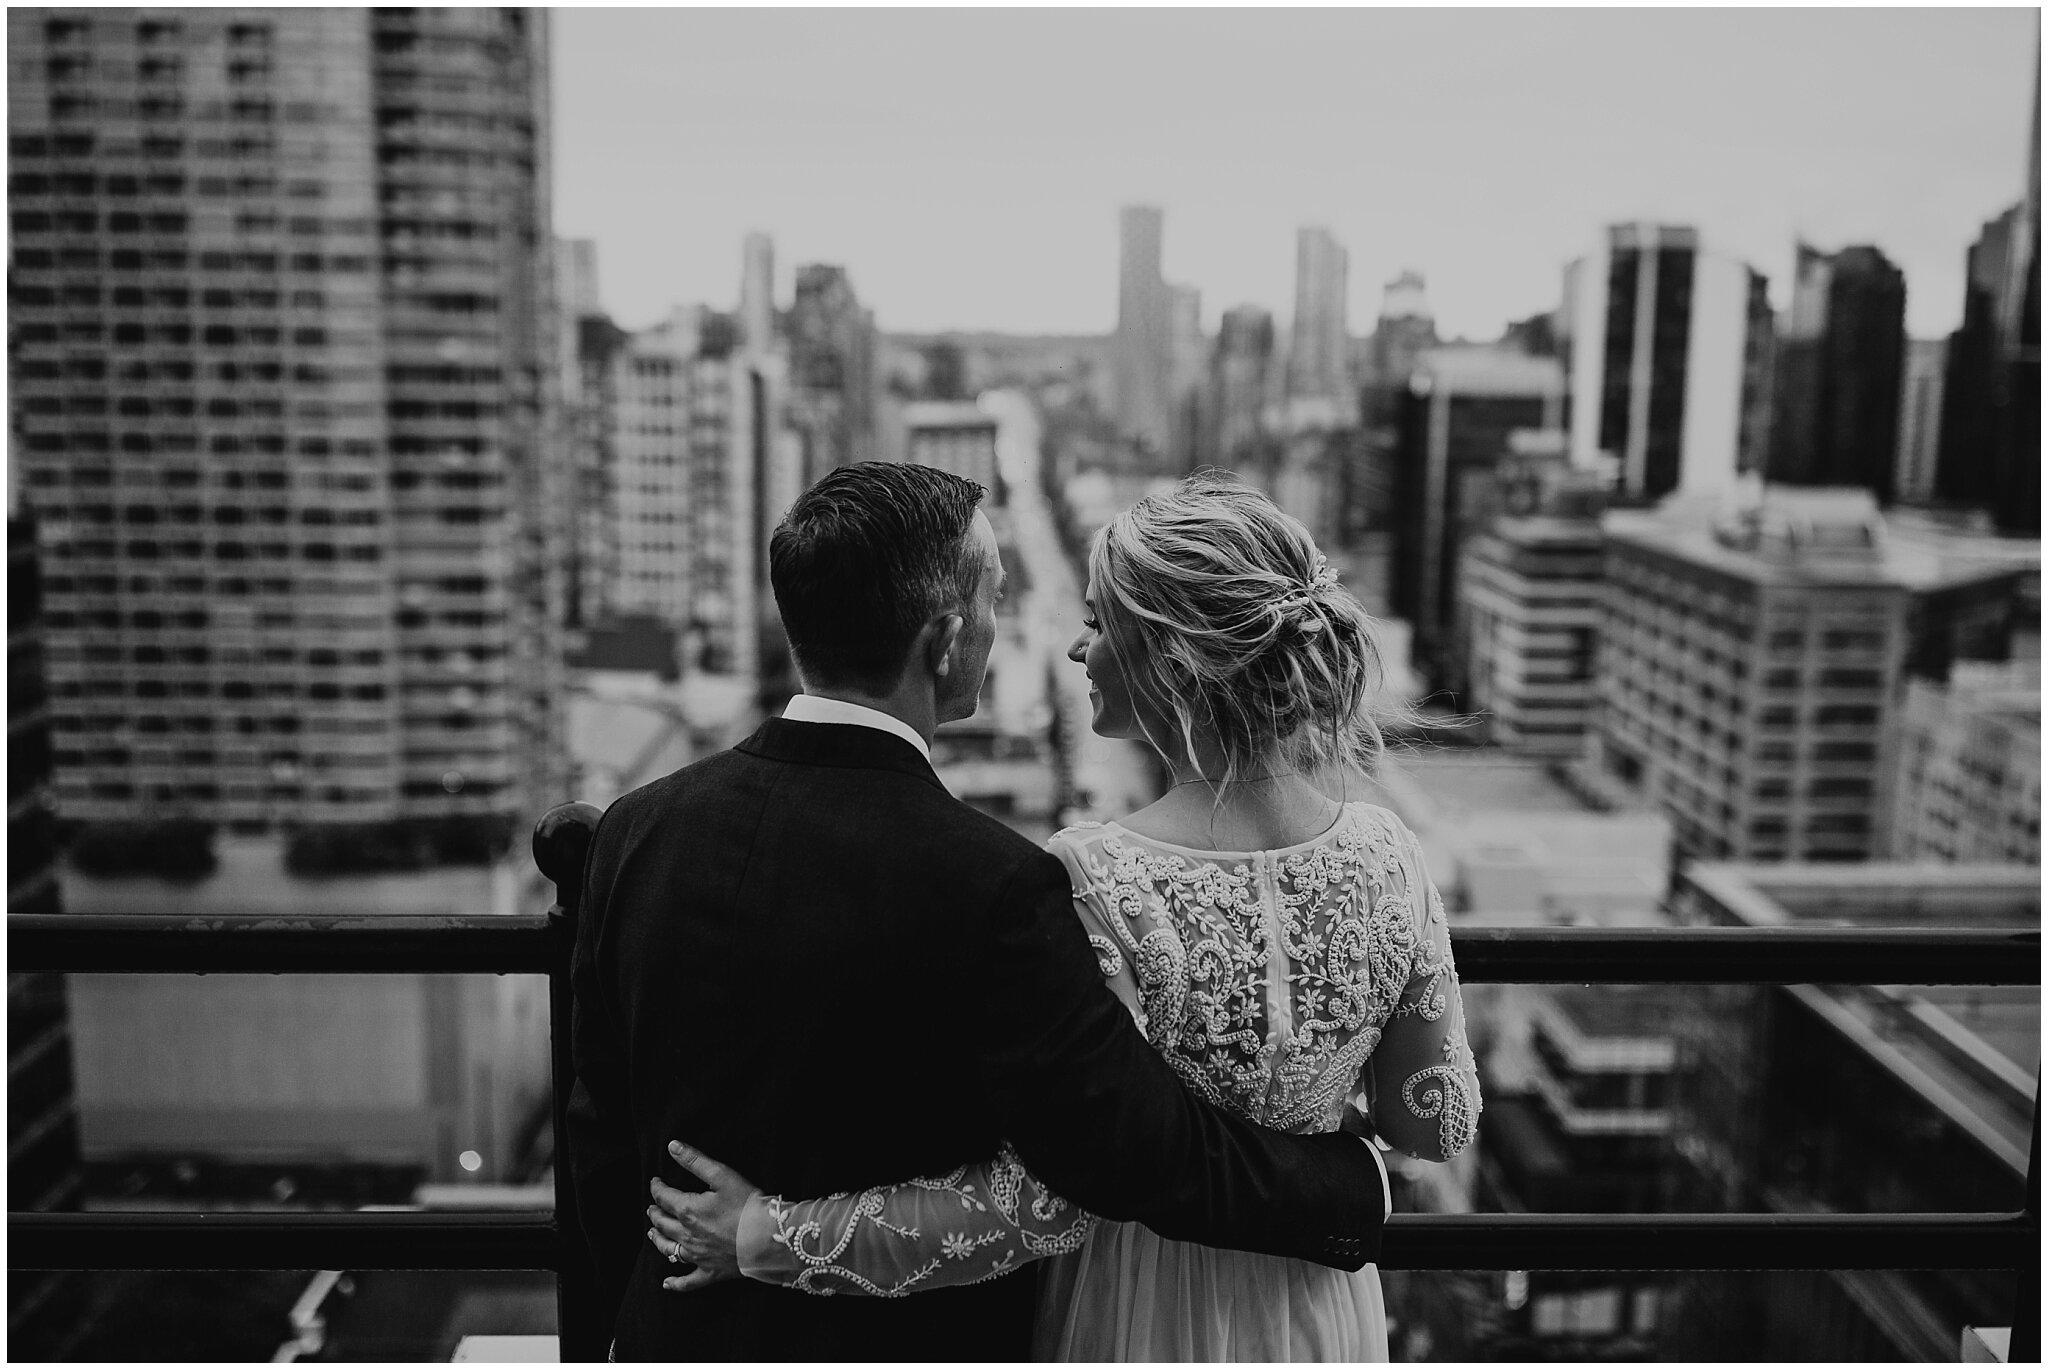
(1225, 617)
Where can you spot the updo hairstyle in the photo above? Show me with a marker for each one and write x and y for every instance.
(1228, 623)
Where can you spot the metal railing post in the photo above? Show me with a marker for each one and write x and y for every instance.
(561, 846)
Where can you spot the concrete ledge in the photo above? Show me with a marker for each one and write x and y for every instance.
(515, 1350)
(1988, 1344)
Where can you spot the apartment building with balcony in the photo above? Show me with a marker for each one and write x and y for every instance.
(279, 380)
(1749, 670)
(1966, 784)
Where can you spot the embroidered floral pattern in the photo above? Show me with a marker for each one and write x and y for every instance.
(1275, 984)
(877, 1243)
(1269, 981)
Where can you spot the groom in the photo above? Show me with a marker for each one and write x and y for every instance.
(805, 957)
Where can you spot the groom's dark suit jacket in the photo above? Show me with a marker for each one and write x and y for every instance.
(805, 958)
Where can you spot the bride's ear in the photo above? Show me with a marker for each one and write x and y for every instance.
(939, 645)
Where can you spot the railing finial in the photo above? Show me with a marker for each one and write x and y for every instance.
(561, 844)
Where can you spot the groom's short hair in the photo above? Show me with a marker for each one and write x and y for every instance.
(863, 560)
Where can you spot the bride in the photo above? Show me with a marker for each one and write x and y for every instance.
(1283, 949)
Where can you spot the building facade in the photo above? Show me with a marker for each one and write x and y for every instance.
(957, 436)
(281, 282)
(1238, 371)
(1841, 367)
(1142, 355)
(1989, 443)
(1187, 367)
(1530, 608)
(590, 417)
(1967, 779)
(832, 374)
(1749, 671)
(1319, 358)
(1667, 345)
(1465, 410)
(651, 469)
(1913, 473)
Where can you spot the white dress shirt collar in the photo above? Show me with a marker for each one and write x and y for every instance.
(818, 709)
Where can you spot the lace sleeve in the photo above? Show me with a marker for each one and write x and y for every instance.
(1425, 1082)
(973, 1224)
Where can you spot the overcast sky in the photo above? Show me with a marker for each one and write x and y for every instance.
(966, 165)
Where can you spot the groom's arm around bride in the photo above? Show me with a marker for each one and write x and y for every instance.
(810, 960)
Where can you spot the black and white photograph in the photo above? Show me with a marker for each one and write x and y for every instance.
(1023, 684)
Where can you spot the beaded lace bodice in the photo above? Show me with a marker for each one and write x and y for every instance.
(1268, 978)
(1278, 984)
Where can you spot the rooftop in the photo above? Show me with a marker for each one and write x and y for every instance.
(1488, 371)
(946, 414)
(1818, 537)
(1875, 894)
(1548, 530)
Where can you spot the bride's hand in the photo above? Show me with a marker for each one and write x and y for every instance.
(700, 1229)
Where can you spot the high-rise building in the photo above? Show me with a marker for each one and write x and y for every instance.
(585, 339)
(652, 468)
(1919, 420)
(1841, 363)
(590, 418)
(1966, 780)
(1749, 670)
(1667, 345)
(2017, 431)
(742, 474)
(1142, 355)
(833, 383)
(1405, 330)
(1966, 468)
(957, 436)
(1529, 625)
(1188, 362)
(281, 288)
(1991, 434)
(1319, 359)
(1237, 387)
(1465, 410)
(757, 292)
(576, 278)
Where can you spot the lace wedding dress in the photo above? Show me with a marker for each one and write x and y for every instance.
(1279, 984)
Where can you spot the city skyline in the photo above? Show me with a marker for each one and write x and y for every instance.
(959, 141)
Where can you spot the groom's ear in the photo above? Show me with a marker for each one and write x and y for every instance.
(944, 632)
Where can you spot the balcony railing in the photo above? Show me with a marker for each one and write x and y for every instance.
(544, 1240)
